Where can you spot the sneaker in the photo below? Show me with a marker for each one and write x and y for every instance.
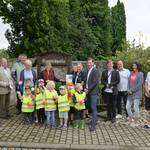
(147, 126)
(60, 126)
(119, 116)
(132, 124)
(65, 126)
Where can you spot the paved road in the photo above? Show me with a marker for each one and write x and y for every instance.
(15, 135)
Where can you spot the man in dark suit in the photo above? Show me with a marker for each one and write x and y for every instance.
(110, 79)
(92, 90)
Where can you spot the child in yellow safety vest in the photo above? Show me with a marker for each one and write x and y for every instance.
(49, 100)
(79, 99)
(27, 105)
(63, 107)
(39, 91)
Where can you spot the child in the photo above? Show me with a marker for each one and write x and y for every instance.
(50, 97)
(63, 107)
(79, 99)
(27, 105)
(39, 101)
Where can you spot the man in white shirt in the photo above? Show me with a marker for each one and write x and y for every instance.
(110, 79)
(122, 88)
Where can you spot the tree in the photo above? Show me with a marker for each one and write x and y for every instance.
(36, 26)
(97, 13)
(82, 38)
(118, 18)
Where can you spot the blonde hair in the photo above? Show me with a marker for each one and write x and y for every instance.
(29, 62)
(50, 82)
(78, 85)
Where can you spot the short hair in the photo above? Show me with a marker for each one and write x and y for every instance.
(23, 55)
(78, 85)
(27, 88)
(90, 58)
(28, 61)
(109, 61)
(47, 63)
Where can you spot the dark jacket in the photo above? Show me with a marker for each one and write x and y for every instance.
(93, 82)
(115, 79)
(81, 77)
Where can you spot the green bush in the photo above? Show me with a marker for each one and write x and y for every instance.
(4, 53)
(133, 54)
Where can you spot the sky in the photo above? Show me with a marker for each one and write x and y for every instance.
(138, 21)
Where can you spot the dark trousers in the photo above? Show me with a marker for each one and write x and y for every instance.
(111, 105)
(79, 114)
(41, 115)
(28, 118)
(19, 104)
(121, 96)
(4, 104)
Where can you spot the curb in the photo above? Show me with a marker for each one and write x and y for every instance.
(69, 146)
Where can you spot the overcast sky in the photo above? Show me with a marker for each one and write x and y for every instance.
(138, 20)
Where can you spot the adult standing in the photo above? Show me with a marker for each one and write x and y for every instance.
(122, 88)
(18, 67)
(134, 94)
(6, 85)
(80, 74)
(28, 74)
(110, 79)
(15, 72)
(48, 73)
(92, 90)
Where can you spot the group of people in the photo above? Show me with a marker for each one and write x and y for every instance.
(40, 102)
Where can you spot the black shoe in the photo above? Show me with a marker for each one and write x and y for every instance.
(87, 116)
(113, 120)
(4, 117)
(92, 129)
(9, 116)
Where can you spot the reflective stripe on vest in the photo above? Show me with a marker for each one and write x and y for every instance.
(63, 103)
(79, 98)
(25, 104)
(38, 101)
(50, 103)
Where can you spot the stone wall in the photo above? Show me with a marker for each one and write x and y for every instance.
(61, 71)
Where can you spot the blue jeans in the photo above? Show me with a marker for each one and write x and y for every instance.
(92, 102)
(136, 101)
(50, 115)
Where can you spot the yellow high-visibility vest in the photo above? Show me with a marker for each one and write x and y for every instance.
(80, 97)
(38, 101)
(26, 101)
(50, 103)
(63, 103)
